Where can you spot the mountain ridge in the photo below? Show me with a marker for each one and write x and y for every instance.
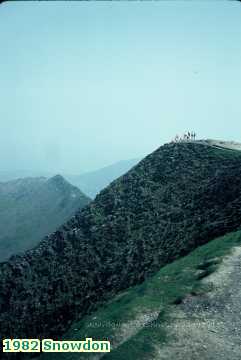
(93, 182)
(30, 208)
(177, 198)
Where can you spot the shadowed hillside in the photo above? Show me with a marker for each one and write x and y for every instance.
(177, 198)
(31, 208)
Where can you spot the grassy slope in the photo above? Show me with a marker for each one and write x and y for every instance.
(157, 296)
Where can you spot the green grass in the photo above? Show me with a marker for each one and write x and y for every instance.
(160, 294)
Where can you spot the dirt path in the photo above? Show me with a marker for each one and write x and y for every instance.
(229, 145)
(208, 327)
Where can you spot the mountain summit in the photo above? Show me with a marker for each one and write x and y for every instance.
(177, 198)
(31, 208)
(59, 181)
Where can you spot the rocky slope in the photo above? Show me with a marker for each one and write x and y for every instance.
(177, 198)
(189, 310)
(31, 208)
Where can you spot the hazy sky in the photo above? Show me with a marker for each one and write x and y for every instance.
(85, 84)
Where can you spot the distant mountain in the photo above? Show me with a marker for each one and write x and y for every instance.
(31, 208)
(17, 174)
(181, 196)
(91, 183)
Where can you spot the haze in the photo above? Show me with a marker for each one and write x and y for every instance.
(86, 84)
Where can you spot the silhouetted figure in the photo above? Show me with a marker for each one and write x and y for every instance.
(187, 136)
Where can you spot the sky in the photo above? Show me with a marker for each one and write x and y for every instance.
(86, 84)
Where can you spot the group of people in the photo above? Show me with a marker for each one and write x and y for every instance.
(188, 136)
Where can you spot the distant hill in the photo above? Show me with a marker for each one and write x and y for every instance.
(31, 208)
(20, 174)
(178, 198)
(91, 183)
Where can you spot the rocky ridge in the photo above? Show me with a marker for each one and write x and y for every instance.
(177, 198)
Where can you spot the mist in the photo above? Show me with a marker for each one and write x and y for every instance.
(84, 85)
